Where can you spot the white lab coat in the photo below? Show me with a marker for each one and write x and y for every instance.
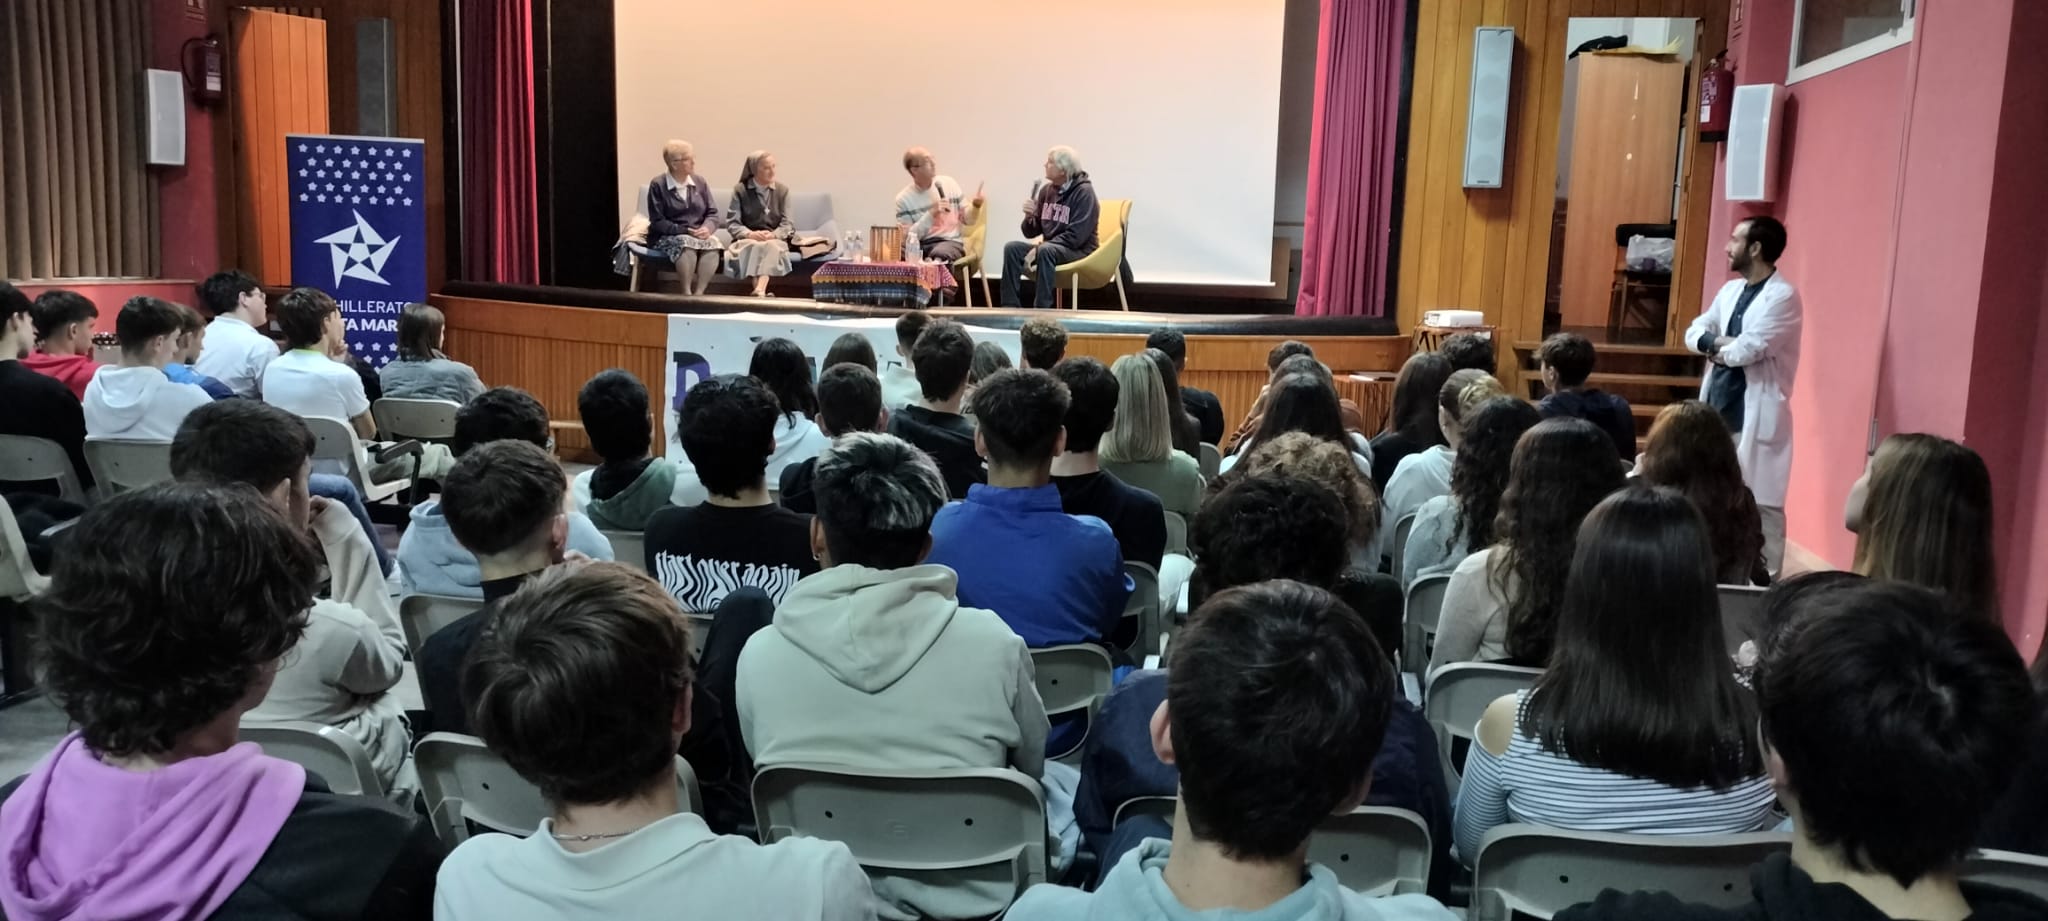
(1767, 351)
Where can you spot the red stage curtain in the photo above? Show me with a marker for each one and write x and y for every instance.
(1351, 159)
(500, 221)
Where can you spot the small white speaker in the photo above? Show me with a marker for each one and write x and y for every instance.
(1755, 126)
(1486, 119)
(166, 118)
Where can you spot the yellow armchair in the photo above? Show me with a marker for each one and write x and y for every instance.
(1104, 266)
(974, 245)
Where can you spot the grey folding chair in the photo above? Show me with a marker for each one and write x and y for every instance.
(421, 616)
(1456, 696)
(1145, 607)
(120, 464)
(2027, 873)
(1742, 614)
(1376, 850)
(1212, 461)
(27, 459)
(628, 547)
(1401, 529)
(464, 781)
(335, 440)
(1176, 533)
(1072, 679)
(1424, 604)
(700, 630)
(425, 420)
(1537, 872)
(321, 749)
(18, 576)
(977, 831)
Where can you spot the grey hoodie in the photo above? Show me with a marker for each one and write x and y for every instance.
(1136, 890)
(872, 668)
(139, 404)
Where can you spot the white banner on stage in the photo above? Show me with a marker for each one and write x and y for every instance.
(700, 346)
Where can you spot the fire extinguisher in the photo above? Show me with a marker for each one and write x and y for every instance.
(1717, 96)
(206, 71)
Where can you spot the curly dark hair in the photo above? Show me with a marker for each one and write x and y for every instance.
(1022, 412)
(497, 414)
(1043, 341)
(164, 608)
(727, 427)
(1479, 474)
(1561, 469)
(1690, 450)
(782, 365)
(1269, 525)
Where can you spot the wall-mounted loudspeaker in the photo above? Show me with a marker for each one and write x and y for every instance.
(1755, 125)
(166, 118)
(1486, 120)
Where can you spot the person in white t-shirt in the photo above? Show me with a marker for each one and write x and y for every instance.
(599, 651)
(932, 207)
(236, 350)
(134, 400)
(312, 379)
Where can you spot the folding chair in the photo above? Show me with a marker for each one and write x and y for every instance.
(120, 464)
(465, 782)
(1072, 679)
(1212, 461)
(1742, 614)
(1376, 850)
(2027, 873)
(335, 440)
(1146, 607)
(1418, 628)
(18, 576)
(1176, 533)
(1537, 872)
(978, 831)
(424, 420)
(27, 459)
(1401, 529)
(321, 749)
(421, 616)
(628, 547)
(1457, 695)
(700, 630)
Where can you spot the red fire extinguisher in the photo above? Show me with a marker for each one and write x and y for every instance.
(1717, 96)
(206, 71)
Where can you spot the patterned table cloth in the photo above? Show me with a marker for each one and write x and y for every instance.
(891, 283)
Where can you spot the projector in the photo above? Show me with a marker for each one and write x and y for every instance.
(1453, 318)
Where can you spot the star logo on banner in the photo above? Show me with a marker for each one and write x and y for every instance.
(302, 174)
(302, 148)
(355, 150)
(406, 152)
(359, 251)
(392, 153)
(302, 196)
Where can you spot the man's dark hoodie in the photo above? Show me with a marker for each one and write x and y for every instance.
(1783, 892)
(1066, 215)
(948, 438)
(1605, 410)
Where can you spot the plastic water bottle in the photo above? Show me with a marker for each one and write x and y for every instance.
(911, 252)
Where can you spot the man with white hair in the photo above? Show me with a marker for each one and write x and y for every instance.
(931, 207)
(1059, 222)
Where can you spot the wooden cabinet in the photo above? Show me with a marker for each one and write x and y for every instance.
(1620, 130)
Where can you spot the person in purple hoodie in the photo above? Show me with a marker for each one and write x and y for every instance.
(163, 623)
(1566, 360)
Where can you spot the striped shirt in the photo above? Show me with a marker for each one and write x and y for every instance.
(1534, 786)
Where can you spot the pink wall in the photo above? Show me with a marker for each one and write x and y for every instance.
(108, 296)
(187, 196)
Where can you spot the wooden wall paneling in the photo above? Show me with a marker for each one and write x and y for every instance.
(280, 87)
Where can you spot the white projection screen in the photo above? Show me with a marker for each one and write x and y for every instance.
(1173, 104)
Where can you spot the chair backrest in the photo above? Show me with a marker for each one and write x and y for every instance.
(1401, 529)
(1114, 218)
(1176, 533)
(464, 781)
(1212, 461)
(1456, 695)
(1524, 869)
(421, 616)
(1742, 614)
(1376, 850)
(18, 576)
(1425, 603)
(322, 749)
(974, 237)
(940, 827)
(628, 547)
(1145, 606)
(27, 459)
(1073, 679)
(700, 630)
(335, 440)
(119, 464)
(2026, 873)
(425, 420)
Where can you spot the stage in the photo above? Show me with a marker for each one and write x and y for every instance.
(548, 341)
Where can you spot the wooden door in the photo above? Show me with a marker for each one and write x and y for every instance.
(1623, 170)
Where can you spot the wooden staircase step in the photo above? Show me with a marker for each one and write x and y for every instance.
(1599, 378)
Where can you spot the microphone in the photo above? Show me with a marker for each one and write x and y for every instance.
(1037, 186)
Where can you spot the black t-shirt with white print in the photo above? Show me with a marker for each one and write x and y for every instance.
(705, 552)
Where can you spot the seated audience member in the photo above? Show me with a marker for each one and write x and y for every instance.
(150, 807)
(1503, 601)
(781, 365)
(1290, 664)
(1565, 360)
(988, 359)
(2020, 820)
(1375, 597)
(1426, 474)
(1293, 357)
(855, 348)
(1187, 433)
(1412, 427)
(849, 400)
(342, 670)
(931, 208)
(422, 371)
(191, 342)
(315, 378)
(1469, 350)
(1888, 689)
(1042, 342)
(630, 484)
(1132, 513)
(38, 405)
(874, 662)
(1054, 578)
(1059, 227)
(1201, 404)
(682, 220)
(1259, 527)
(1302, 400)
(1628, 729)
(582, 682)
(237, 351)
(64, 321)
(899, 380)
(1690, 450)
(135, 400)
(1447, 528)
(1138, 448)
(1922, 514)
(943, 356)
(432, 559)
(757, 222)
(738, 537)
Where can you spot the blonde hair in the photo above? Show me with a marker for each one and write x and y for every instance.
(1325, 462)
(1477, 392)
(676, 150)
(1927, 515)
(1142, 430)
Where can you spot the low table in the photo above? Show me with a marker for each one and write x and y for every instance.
(909, 284)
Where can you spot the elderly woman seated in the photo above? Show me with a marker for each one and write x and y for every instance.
(682, 221)
(758, 223)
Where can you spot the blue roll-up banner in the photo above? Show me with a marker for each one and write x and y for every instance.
(359, 230)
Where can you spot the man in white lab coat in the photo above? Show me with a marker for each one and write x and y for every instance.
(1751, 337)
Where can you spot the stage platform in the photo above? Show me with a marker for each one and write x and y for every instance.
(549, 340)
